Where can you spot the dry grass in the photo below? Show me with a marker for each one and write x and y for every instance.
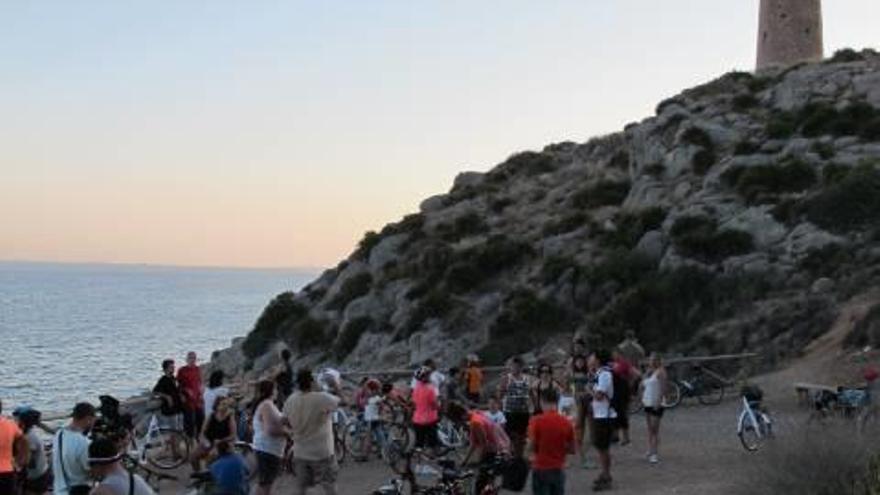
(827, 461)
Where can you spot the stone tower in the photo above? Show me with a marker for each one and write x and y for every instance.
(789, 31)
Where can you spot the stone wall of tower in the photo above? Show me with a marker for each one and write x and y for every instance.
(789, 31)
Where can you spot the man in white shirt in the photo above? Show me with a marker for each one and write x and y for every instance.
(70, 452)
(604, 416)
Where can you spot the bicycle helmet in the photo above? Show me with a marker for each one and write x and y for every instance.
(373, 384)
(423, 374)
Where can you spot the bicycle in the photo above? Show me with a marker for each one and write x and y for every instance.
(706, 386)
(754, 425)
(449, 479)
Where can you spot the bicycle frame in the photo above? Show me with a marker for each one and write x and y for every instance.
(748, 413)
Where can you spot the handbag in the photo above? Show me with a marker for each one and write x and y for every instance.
(515, 475)
(75, 489)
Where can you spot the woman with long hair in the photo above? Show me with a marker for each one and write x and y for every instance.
(654, 384)
(270, 437)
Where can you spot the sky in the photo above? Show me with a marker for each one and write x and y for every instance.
(275, 133)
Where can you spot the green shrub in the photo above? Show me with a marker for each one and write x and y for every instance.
(410, 224)
(366, 245)
(824, 150)
(846, 55)
(833, 173)
(746, 148)
(603, 193)
(852, 203)
(306, 334)
(666, 308)
(820, 118)
(527, 163)
(619, 160)
(350, 335)
(281, 309)
(825, 261)
(436, 304)
(466, 225)
(655, 170)
(523, 325)
(555, 266)
(624, 267)
(698, 237)
(744, 101)
(474, 266)
(497, 205)
(703, 160)
(757, 182)
(697, 137)
(566, 224)
(631, 226)
(351, 289)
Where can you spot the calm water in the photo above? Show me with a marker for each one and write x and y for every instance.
(72, 332)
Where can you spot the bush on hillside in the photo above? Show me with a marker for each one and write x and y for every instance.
(821, 118)
(466, 225)
(631, 226)
(703, 160)
(567, 223)
(281, 309)
(410, 224)
(698, 237)
(437, 303)
(622, 266)
(759, 182)
(619, 160)
(523, 325)
(306, 334)
(851, 203)
(825, 150)
(668, 307)
(746, 148)
(555, 266)
(846, 55)
(476, 265)
(744, 101)
(526, 163)
(353, 288)
(825, 261)
(350, 336)
(602, 193)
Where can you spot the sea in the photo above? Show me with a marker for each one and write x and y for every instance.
(72, 332)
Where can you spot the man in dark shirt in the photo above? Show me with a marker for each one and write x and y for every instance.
(169, 392)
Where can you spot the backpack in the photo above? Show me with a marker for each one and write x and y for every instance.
(515, 475)
(620, 399)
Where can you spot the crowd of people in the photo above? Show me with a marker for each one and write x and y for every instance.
(533, 419)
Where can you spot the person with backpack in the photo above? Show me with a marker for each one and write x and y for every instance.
(626, 378)
(515, 392)
(604, 415)
(105, 462)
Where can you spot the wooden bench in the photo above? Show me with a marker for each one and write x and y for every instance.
(805, 391)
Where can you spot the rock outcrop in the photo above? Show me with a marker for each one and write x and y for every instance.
(733, 219)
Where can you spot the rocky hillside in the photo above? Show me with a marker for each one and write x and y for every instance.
(735, 218)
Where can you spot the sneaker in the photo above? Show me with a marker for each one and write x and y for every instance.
(653, 459)
(601, 483)
(588, 464)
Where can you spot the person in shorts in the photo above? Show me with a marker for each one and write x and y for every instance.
(270, 437)
(309, 412)
(168, 391)
(13, 452)
(652, 398)
(604, 416)
(189, 380)
(550, 441)
(514, 390)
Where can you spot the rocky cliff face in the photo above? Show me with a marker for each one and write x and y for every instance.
(735, 218)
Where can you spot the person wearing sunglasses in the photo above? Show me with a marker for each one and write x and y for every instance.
(545, 382)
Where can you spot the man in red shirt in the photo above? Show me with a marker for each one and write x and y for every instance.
(189, 378)
(550, 440)
(488, 441)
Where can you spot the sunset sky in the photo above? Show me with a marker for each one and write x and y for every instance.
(272, 133)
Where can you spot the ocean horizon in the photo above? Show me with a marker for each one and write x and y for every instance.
(74, 331)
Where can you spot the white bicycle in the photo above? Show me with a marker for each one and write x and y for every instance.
(164, 448)
(754, 426)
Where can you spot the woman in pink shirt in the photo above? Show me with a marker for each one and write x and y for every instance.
(427, 410)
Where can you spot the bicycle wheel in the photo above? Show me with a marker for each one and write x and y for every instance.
(711, 392)
(672, 395)
(167, 449)
(401, 434)
(358, 443)
(748, 435)
(340, 448)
